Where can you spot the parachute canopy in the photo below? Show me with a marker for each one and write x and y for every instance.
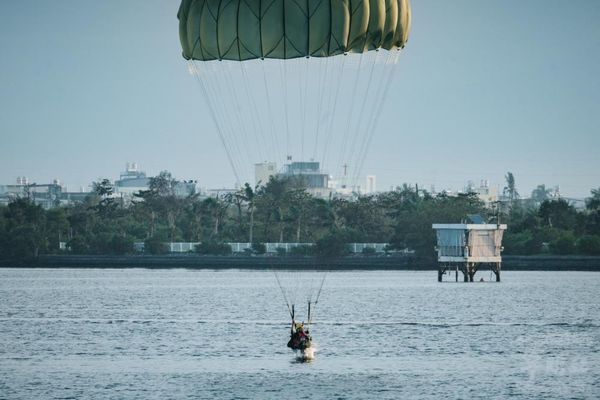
(295, 80)
(241, 30)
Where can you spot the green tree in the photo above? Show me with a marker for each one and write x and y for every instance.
(510, 190)
(121, 244)
(522, 243)
(25, 230)
(216, 208)
(334, 243)
(107, 205)
(3, 234)
(540, 194)
(592, 220)
(299, 205)
(416, 214)
(589, 245)
(78, 245)
(57, 227)
(160, 204)
(593, 203)
(213, 247)
(155, 245)
(248, 195)
(194, 214)
(558, 214)
(273, 203)
(564, 244)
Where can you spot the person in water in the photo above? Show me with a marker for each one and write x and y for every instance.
(299, 339)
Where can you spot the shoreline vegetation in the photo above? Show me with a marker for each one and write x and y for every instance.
(373, 263)
(283, 211)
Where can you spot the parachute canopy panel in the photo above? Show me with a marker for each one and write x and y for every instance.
(241, 30)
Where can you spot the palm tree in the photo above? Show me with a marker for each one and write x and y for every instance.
(160, 200)
(195, 212)
(593, 203)
(274, 202)
(248, 195)
(299, 201)
(540, 193)
(217, 209)
(510, 189)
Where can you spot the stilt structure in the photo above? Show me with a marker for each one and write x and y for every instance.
(467, 247)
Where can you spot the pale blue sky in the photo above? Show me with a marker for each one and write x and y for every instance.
(484, 87)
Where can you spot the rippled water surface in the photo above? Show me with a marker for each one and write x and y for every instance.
(157, 334)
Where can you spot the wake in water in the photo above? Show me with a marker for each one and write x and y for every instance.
(307, 354)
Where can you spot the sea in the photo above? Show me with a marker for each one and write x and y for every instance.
(206, 334)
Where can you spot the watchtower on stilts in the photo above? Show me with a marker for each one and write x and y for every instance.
(468, 247)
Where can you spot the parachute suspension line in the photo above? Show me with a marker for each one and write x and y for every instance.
(270, 120)
(214, 88)
(369, 129)
(295, 79)
(299, 286)
(341, 156)
(319, 105)
(283, 70)
(305, 77)
(354, 137)
(212, 113)
(287, 303)
(374, 104)
(333, 109)
(316, 299)
(325, 110)
(320, 288)
(254, 111)
(239, 129)
(220, 85)
(375, 120)
(242, 128)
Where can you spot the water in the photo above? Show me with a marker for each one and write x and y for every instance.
(155, 334)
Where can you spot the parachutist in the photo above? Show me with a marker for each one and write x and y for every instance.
(300, 338)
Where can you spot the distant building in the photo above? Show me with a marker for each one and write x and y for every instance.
(186, 188)
(131, 181)
(67, 198)
(47, 195)
(220, 193)
(309, 171)
(310, 175)
(340, 190)
(264, 171)
(485, 193)
(371, 184)
(579, 204)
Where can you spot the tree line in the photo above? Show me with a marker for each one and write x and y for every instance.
(283, 211)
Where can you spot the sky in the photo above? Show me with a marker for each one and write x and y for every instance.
(483, 87)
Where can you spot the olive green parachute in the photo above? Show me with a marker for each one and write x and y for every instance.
(241, 30)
